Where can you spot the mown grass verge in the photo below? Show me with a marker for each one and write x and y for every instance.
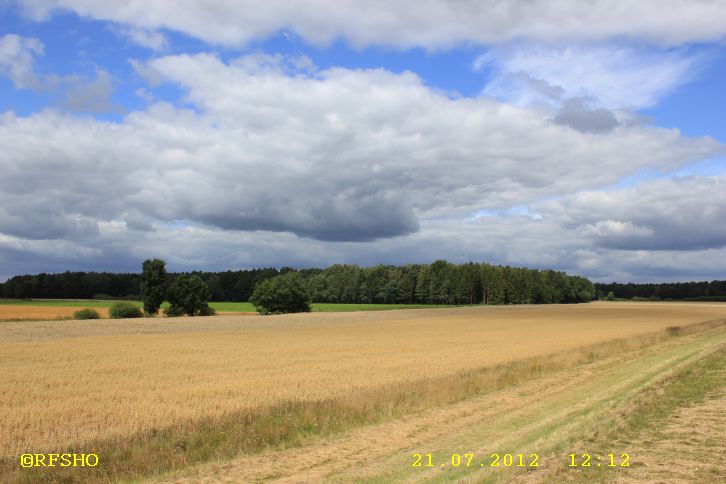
(157, 451)
(645, 414)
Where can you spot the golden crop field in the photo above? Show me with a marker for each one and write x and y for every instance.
(70, 384)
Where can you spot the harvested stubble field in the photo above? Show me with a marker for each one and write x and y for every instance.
(155, 395)
(33, 312)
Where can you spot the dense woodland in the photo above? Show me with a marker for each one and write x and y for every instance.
(688, 291)
(438, 283)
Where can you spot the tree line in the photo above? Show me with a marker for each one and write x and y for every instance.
(438, 283)
(685, 291)
(224, 286)
(445, 283)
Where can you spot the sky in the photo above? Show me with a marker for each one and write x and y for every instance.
(587, 137)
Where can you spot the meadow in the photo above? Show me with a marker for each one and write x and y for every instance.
(168, 398)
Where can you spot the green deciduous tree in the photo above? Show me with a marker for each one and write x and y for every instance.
(153, 285)
(188, 294)
(281, 294)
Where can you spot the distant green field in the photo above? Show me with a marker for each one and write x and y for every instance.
(219, 306)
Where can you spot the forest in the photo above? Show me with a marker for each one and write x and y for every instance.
(438, 283)
(684, 291)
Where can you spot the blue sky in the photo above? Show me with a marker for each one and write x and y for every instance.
(305, 134)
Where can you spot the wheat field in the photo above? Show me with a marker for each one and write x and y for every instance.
(72, 382)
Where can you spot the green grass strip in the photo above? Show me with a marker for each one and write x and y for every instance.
(219, 306)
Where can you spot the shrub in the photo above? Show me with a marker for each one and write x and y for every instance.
(86, 313)
(207, 310)
(674, 330)
(188, 294)
(281, 294)
(173, 311)
(124, 310)
(610, 296)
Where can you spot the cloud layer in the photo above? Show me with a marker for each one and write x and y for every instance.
(268, 160)
(677, 214)
(411, 23)
(341, 155)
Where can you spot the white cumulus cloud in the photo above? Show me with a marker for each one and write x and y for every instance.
(17, 60)
(410, 23)
(346, 155)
